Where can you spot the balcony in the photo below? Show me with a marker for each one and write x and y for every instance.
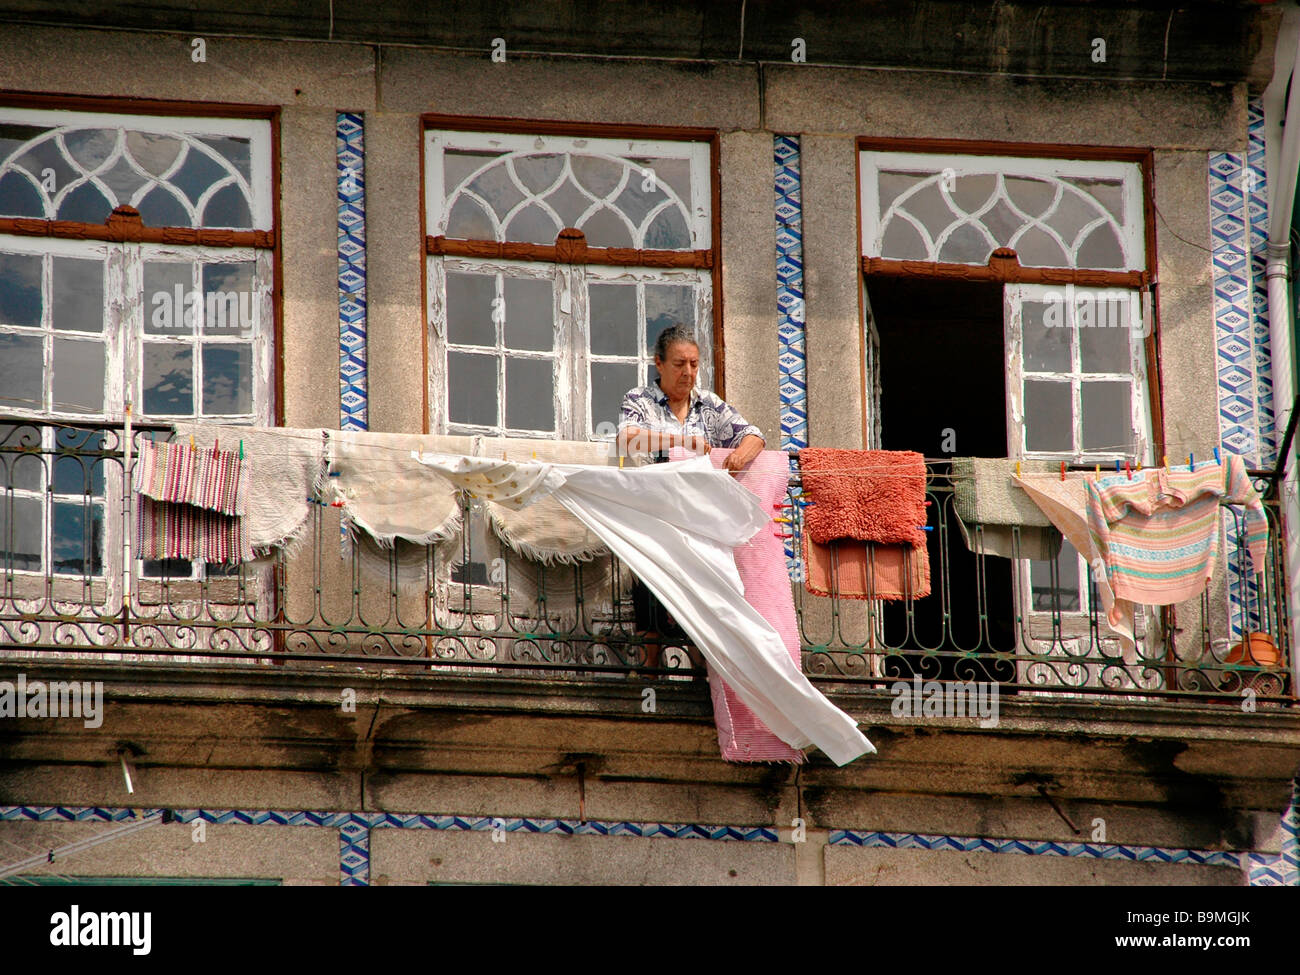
(66, 595)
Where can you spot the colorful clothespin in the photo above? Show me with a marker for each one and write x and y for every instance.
(192, 447)
(1191, 462)
(784, 520)
(620, 461)
(1117, 466)
(1126, 469)
(1098, 470)
(1017, 468)
(1216, 456)
(241, 450)
(1062, 470)
(926, 528)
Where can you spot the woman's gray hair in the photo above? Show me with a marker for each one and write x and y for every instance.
(670, 337)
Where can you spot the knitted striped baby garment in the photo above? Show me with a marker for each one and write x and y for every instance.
(1156, 536)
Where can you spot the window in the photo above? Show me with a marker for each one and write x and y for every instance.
(1076, 384)
(554, 263)
(171, 311)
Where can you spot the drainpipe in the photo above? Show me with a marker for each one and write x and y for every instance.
(1282, 163)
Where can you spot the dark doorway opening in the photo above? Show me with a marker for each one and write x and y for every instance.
(943, 368)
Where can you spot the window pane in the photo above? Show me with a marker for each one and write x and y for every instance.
(469, 309)
(530, 394)
(22, 472)
(78, 376)
(1046, 336)
(22, 371)
(1066, 590)
(1048, 422)
(613, 318)
(227, 379)
(76, 546)
(168, 288)
(20, 290)
(1107, 421)
(82, 472)
(609, 383)
(24, 551)
(530, 322)
(1105, 334)
(228, 292)
(667, 305)
(168, 378)
(472, 388)
(78, 294)
(170, 568)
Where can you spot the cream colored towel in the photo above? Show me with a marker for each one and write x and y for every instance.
(544, 530)
(389, 495)
(287, 465)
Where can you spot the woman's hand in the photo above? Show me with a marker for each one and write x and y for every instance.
(739, 458)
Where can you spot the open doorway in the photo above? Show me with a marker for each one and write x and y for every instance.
(942, 370)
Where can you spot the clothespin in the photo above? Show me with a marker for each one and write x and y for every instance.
(1139, 467)
(1166, 463)
(1191, 462)
(926, 528)
(1062, 470)
(216, 445)
(1216, 456)
(241, 450)
(1017, 468)
(1126, 469)
(1098, 470)
(785, 520)
(928, 503)
(620, 461)
(192, 447)
(1117, 466)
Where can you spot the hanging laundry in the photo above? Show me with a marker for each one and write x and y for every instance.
(545, 531)
(863, 570)
(1156, 536)
(870, 495)
(760, 562)
(860, 496)
(676, 526)
(189, 503)
(286, 466)
(1065, 503)
(984, 495)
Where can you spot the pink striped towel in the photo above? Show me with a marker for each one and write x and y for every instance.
(761, 564)
(189, 504)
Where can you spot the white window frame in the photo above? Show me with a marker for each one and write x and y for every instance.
(871, 163)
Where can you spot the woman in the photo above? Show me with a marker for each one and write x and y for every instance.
(673, 413)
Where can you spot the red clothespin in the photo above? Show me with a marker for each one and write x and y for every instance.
(1062, 470)
(1126, 469)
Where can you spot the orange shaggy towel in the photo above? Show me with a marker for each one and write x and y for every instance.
(870, 495)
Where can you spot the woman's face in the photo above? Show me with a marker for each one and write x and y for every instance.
(678, 369)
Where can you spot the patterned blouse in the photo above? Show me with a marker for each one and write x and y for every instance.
(709, 416)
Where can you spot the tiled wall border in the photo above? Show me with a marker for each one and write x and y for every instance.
(354, 836)
(354, 405)
(791, 360)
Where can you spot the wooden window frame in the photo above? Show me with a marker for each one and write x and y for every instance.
(570, 246)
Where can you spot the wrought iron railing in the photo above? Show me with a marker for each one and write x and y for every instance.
(478, 608)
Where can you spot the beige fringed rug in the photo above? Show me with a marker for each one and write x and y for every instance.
(287, 466)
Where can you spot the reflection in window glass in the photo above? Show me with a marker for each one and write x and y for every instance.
(79, 471)
(472, 388)
(530, 394)
(1046, 337)
(78, 294)
(22, 371)
(1064, 595)
(613, 318)
(168, 309)
(228, 298)
(78, 376)
(610, 381)
(530, 323)
(21, 528)
(76, 543)
(227, 379)
(1107, 420)
(1048, 420)
(20, 290)
(168, 379)
(469, 309)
